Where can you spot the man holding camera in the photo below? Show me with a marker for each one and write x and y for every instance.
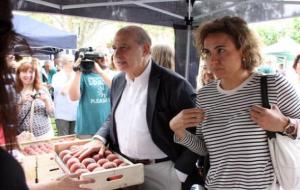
(91, 87)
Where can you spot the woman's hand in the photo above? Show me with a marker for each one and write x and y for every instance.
(71, 182)
(65, 182)
(269, 119)
(26, 97)
(185, 119)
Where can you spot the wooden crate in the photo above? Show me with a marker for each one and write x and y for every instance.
(50, 142)
(41, 167)
(132, 174)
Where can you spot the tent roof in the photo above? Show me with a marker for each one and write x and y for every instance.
(283, 45)
(164, 12)
(40, 35)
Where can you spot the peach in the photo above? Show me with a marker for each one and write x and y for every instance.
(107, 152)
(71, 161)
(102, 161)
(66, 158)
(118, 161)
(76, 166)
(108, 165)
(111, 157)
(123, 164)
(98, 169)
(81, 171)
(92, 166)
(87, 161)
(97, 157)
(63, 153)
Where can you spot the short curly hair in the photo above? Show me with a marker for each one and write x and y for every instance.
(242, 36)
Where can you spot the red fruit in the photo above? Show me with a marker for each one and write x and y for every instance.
(27, 150)
(111, 157)
(102, 161)
(108, 165)
(97, 157)
(63, 153)
(76, 166)
(71, 161)
(98, 169)
(123, 164)
(107, 152)
(118, 161)
(66, 158)
(81, 171)
(92, 166)
(87, 161)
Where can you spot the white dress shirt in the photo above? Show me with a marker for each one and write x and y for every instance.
(133, 133)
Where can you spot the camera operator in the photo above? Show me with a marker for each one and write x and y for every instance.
(91, 87)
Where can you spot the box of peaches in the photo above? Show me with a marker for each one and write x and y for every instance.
(110, 170)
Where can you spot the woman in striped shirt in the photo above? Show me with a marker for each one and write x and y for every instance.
(233, 123)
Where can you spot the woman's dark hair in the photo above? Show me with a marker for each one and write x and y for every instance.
(296, 62)
(242, 36)
(8, 39)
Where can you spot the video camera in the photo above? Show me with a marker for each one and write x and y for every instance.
(88, 57)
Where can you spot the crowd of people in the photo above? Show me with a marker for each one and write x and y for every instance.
(142, 109)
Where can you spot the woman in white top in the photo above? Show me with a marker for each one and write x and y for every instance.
(232, 124)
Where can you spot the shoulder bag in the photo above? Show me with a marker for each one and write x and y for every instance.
(284, 151)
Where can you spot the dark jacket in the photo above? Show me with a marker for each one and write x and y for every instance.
(168, 94)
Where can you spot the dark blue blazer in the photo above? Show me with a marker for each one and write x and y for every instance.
(168, 94)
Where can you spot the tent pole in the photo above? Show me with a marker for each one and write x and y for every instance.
(187, 58)
(189, 20)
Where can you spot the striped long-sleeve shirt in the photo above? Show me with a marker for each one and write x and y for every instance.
(238, 148)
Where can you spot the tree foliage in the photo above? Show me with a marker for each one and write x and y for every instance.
(268, 36)
(296, 30)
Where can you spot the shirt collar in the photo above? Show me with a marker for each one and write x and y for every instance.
(144, 76)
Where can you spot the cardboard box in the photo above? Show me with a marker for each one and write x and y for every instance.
(107, 179)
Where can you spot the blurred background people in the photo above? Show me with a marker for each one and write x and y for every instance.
(91, 88)
(164, 55)
(269, 65)
(12, 63)
(58, 62)
(34, 102)
(65, 109)
(48, 70)
(204, 77)
(296, 67)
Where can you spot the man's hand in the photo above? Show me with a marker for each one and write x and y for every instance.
(98, 69)
(268, 119)
(185, 119)
(89, 148)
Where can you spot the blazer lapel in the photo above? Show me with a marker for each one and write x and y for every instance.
(154, 81)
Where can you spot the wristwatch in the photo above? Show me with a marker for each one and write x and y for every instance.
(290, 129)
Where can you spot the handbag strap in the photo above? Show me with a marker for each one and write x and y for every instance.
(31, 117)
(265, 99)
